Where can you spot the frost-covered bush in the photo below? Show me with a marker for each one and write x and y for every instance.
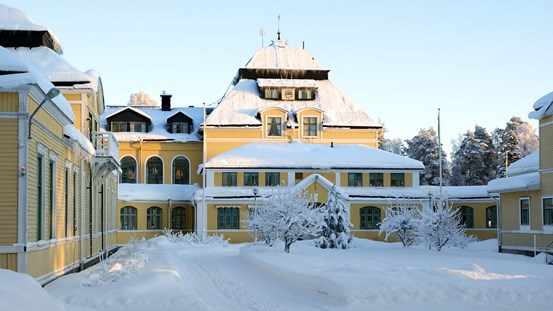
(440, 226)
(127, 262)
(336, 229)
(401, 221)
(286, 215)
(193, 239)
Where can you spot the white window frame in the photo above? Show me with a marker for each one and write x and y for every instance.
(303, 125)
(548, 228)
(136, 170)
(189, 167)
(146, 169)
(268, 126)
(524, 227)
(54, 225)
(42, 151)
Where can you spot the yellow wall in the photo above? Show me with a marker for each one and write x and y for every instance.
(546, 144)
(510, 210)
(9, 169)
(9, 102)
(8, 261)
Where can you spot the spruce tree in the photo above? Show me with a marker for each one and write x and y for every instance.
(425, 148)
(336, 230)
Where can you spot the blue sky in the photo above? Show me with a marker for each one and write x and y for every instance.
(481, 62)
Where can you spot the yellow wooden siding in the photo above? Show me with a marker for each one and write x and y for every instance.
(546, 147)
(9, 102)
(510, 210)
(45, 119)
(547, 184)
(76, 107)
(8, 261)
(72, 97)
(9, 153)
(515, 239)
(53, 259)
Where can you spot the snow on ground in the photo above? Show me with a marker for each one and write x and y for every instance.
(162, 275)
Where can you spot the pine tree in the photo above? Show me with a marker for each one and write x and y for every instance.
(473, 162)
(394, 145)
(336, 230)
(425, 148)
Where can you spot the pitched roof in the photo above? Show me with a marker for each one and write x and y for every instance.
(297, 155)
(542, 107)
(279, 55)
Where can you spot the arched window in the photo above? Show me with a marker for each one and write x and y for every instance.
(491, 217)
(370, 217)
(467, 216)
(181, 170)
(154, 171)
(128, 168)
(128, 218)
(153, 218)
(179, 218)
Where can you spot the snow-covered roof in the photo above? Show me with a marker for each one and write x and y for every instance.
(287, 83)
(29, 74)
(524, 182)
(159, 123)
(311, 156)
(528, 164)
(54, 66)
(422, 192)
(282, 56)
(72, 132)
(241, 105)
(542, 107)
(14, 19)
(156, 193)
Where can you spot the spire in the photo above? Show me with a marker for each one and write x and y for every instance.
(278, 31)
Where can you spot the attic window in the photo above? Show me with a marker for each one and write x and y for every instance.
(121, 126)
(305, 94)
(274, 125)
(271, 93)
(180, 127)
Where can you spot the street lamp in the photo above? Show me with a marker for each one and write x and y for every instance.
(255, 192)
(53, 92)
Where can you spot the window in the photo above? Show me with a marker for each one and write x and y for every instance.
(274, 126)
(272, 93)
(310, 126)
(128, 218)
(137, 127)
(272, 179)
(67, 205)
(181, 171)
(305, 94)
(180, 127)
(74, 202)
(229, 179)
(355, 180)
(397, 180)
(370, 217)
(122, 126)
(228, 218)
(51, 199)
(467, 216)
(548, 211)
(376, 179)
(524, 211)
(153, 217)
(128, 168)
(118, 126)
(179, 218)
(491, 217)
(251, 179)
(40, 199)
(154, 170)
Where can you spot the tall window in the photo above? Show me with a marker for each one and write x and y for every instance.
(153, 217)
(74, 222)
(376, 179)
(181, 171)
(178, 216)
(467, 216)
(228, 218)
(397, 180)
(180, 127)
(370, 217)
(40, 198)
(154, 170)
(310, 126)
(51, 200)
(524, 211)
(274, 126)
(229, 179)
(127, 218)
(251, 179)
(128, 168)
(548, 211)
(67, 201)
(355, 180)
(272, 179)
(491, 217)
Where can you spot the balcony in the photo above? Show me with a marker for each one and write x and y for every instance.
(106, 159)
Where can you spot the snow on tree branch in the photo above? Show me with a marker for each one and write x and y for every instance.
(401, 221)
(141, 99)
(336, 229)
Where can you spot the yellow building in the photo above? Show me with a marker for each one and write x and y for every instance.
(526, 194)
(58, 181)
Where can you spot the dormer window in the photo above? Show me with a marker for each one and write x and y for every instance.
(310, 126)
(274, 126)
(121, 126)
(180, 123)
(129, 120)
(272, 93)
(305, 94)
(180, 127)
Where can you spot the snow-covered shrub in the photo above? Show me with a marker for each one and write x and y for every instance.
(401, 221)
(127, 262)
(440, 226)
(192, 238)
(286, 215)
(336, 229)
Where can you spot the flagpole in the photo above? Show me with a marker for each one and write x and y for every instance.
(204, 160)
(440, 157)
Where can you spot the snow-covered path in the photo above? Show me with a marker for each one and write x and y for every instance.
(225, 282)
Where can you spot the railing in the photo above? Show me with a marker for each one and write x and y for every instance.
(106, 145)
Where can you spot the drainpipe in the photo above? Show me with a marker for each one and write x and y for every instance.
(170, 202)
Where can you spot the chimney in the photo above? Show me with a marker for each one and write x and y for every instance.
(331, 144)
(165, 101)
